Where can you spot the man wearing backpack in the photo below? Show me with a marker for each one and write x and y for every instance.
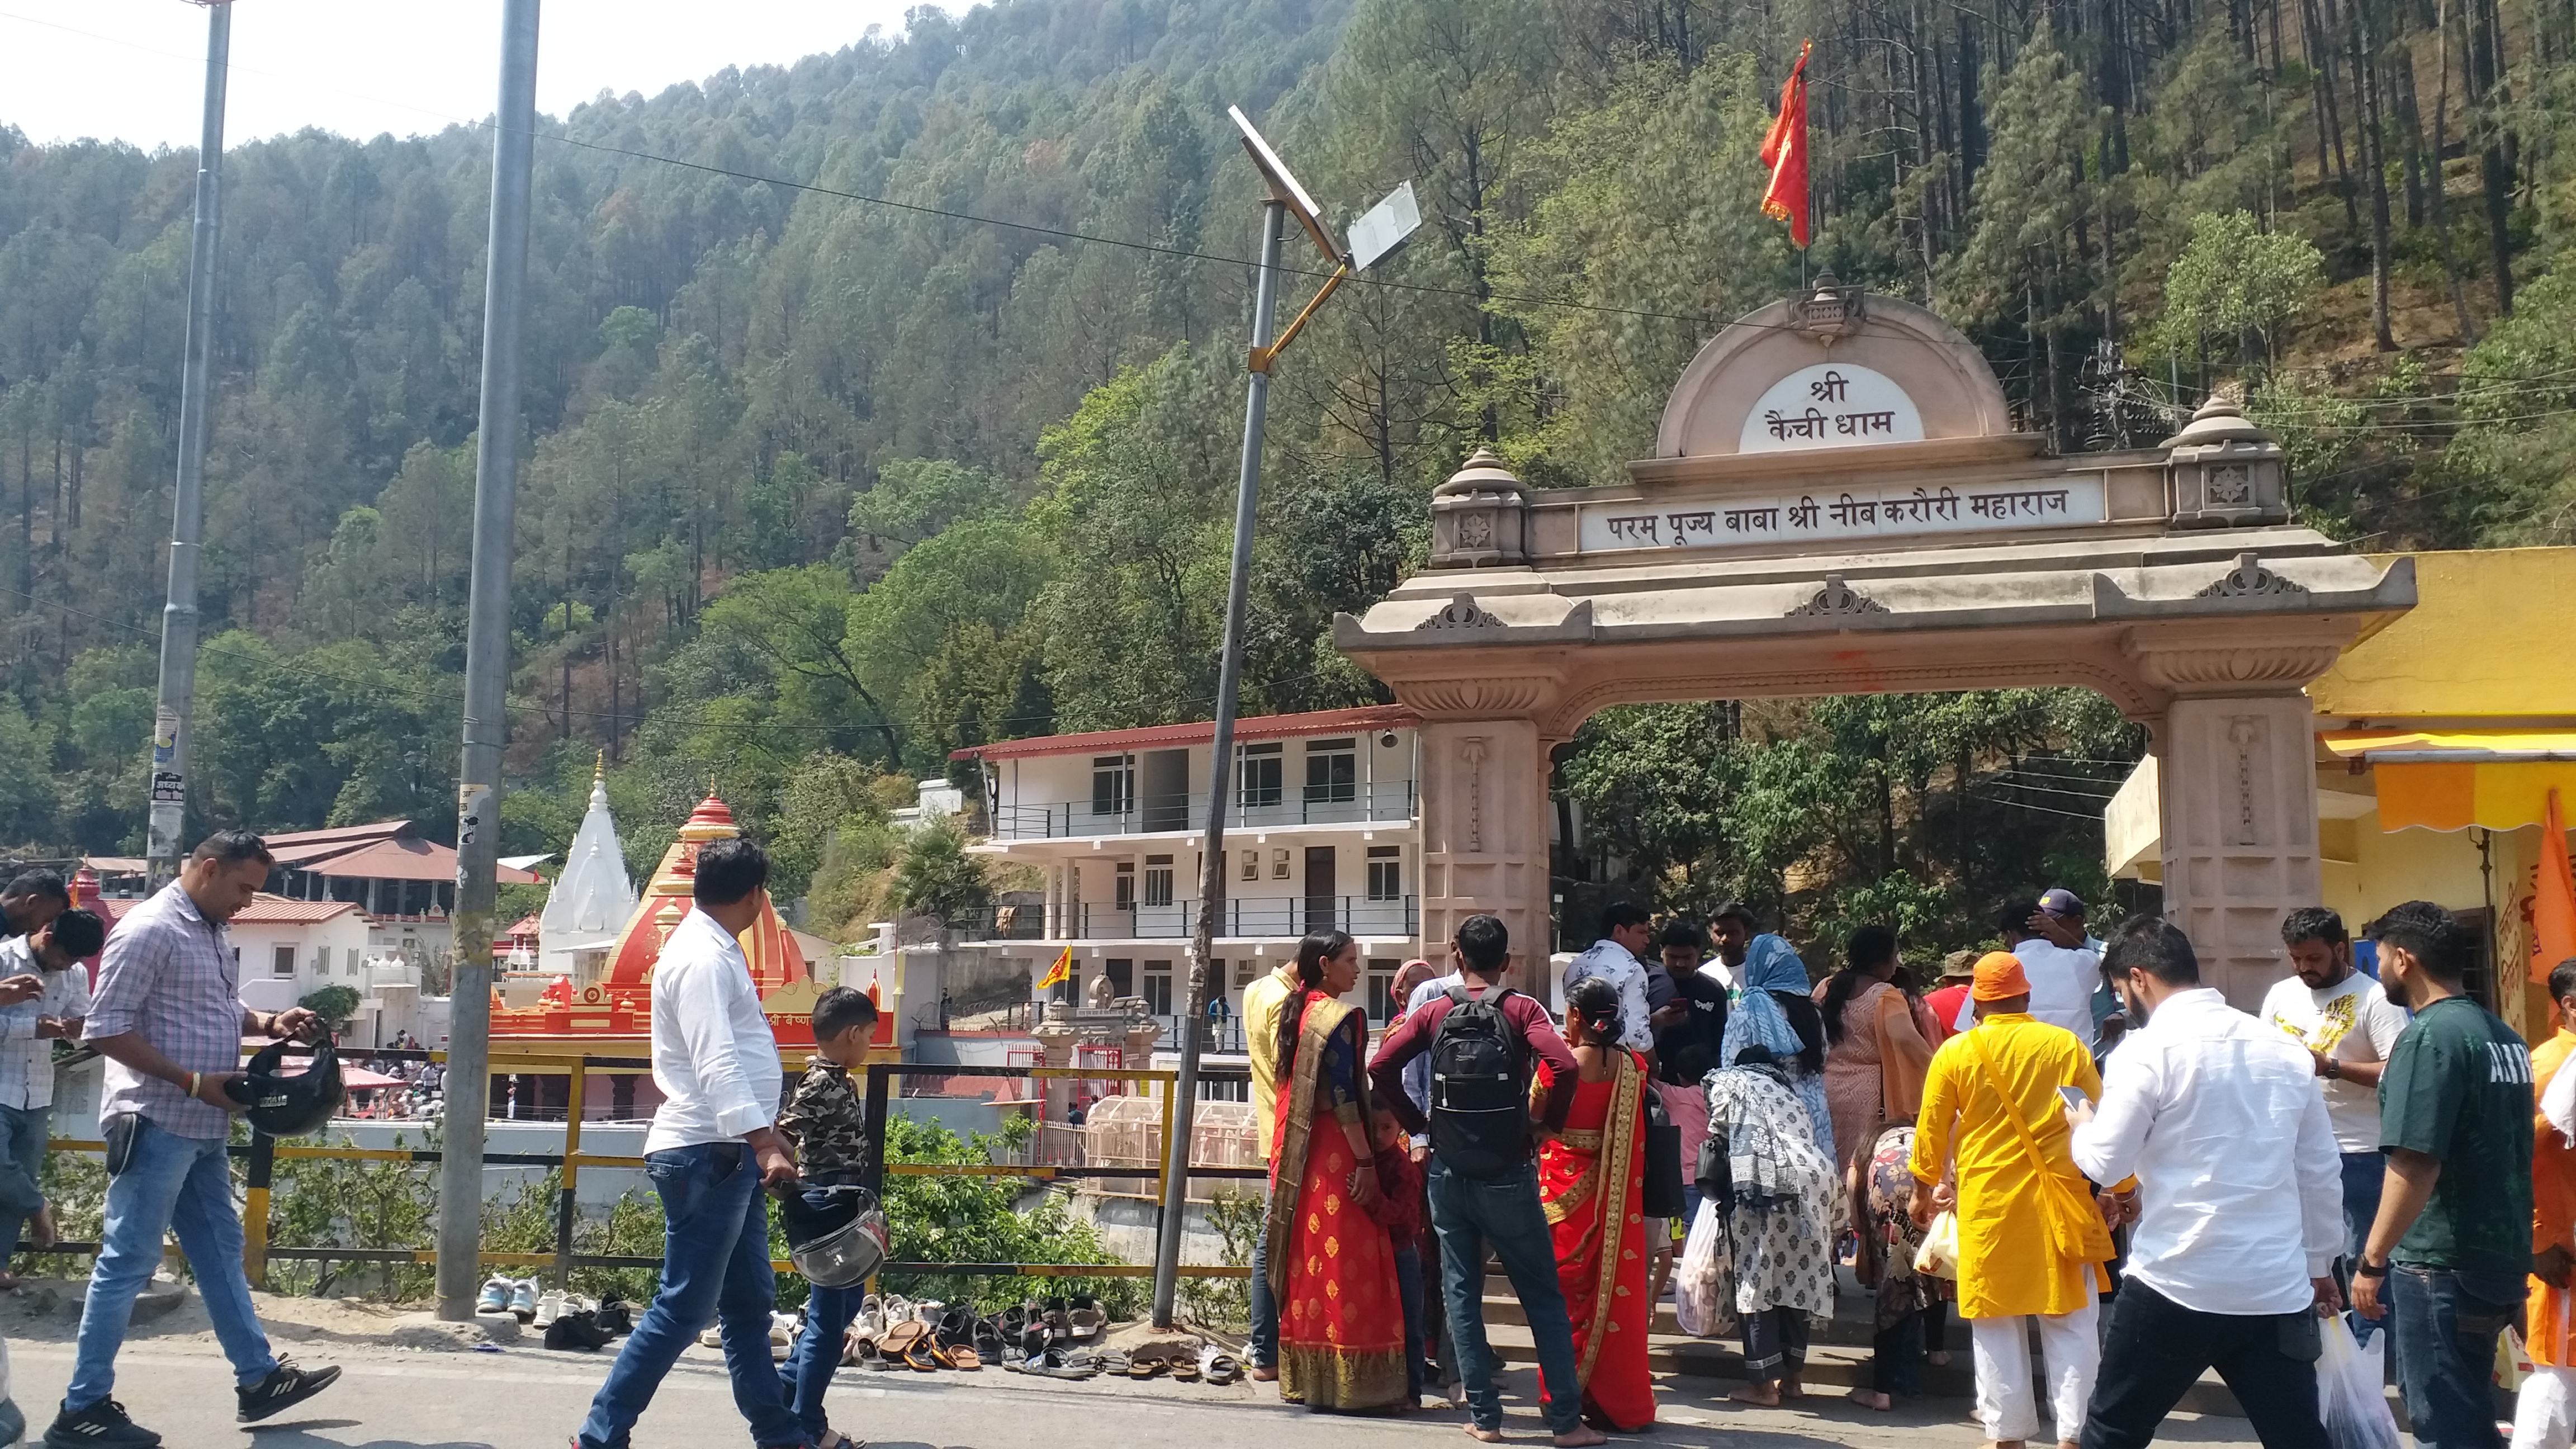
(1485, 1041)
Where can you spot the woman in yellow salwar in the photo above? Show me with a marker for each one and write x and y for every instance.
(1331, 1265)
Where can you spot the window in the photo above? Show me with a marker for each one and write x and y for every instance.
(1113, 784)
(1332, 771)
(353, 960)
(1158, 881)
(1243, 972)
(1386, 873)
(1126, 897)
(283, 963)
(1158, 988)
(1279, 864)
(1382, 1005)
(1260, 776)
(1252, 865)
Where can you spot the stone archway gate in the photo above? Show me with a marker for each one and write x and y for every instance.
(1838, 505)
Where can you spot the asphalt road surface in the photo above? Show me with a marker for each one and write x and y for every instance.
(528, 1398)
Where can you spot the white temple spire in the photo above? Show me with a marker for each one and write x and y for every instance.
(593, 898)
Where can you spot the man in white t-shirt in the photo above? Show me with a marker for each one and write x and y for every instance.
(2062, 978)
(2349, 1026)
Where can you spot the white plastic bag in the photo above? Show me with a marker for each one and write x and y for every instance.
(1939, 1255)
(1704, 1283)
(2351, 1394)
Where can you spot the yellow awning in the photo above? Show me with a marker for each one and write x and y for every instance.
(2453, 779)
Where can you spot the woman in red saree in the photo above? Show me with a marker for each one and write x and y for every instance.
(1332, 1266)
(1592, 1179)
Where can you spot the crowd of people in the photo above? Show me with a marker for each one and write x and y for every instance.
(2074, 1143)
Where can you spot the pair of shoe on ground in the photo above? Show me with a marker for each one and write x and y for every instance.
(1210, 1365)
(105, 1424)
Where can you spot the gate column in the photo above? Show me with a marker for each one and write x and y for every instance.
(2236, 757)
(1485, 814)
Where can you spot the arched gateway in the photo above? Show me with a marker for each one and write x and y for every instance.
(1837, 505)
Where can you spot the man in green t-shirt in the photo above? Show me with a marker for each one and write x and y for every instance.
(2452, 1243)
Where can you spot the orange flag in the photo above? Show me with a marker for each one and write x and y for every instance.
(1785, 152)
(2553, 898)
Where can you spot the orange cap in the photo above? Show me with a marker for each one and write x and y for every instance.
(1999, 978)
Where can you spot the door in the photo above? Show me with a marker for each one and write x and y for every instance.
(1320, 902)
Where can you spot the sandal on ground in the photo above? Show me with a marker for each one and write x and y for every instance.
(1217, 1366)
(899, 1338)
(917, 1356)
(1144, 1366)
(1185, 1371)
(963, 1356)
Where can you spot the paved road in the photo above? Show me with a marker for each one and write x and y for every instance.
(527, 1398)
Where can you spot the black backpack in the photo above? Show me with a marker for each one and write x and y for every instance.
(1479, 1087)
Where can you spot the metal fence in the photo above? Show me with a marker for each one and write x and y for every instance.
(263, 1152)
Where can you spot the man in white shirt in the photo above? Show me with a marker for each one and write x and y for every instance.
(1618, 958)
(2239, 1203)
(710, 1151)
(2062, 978)
(46, 996)
(2349, 1026)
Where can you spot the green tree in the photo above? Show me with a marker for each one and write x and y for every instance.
(935, 877)
(2238, 282)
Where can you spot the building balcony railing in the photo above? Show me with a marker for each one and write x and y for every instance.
(1279, 917)
(1386, 802)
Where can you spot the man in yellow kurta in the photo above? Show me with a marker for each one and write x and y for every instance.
(2544, 1413)
(1262, 999)
(2030, 1236)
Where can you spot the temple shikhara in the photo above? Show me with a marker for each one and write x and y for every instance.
(595, 988)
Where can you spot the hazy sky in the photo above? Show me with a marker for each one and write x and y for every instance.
(134, 69)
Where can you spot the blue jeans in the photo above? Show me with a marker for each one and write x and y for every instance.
(1473, 1215)
(22, 1157)
(1263, 1346)
(715, 1257)
(171, 1183)
(810, 1365)
(1408, 1286)
(2446, 1321)
(2364, 1173)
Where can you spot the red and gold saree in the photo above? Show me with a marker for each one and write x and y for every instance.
(1592, 1180)
(1332, 1269)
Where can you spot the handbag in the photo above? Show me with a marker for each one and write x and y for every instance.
(1662, 1197)
(1939, 1255)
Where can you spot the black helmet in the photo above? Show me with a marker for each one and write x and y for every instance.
(284, 1106)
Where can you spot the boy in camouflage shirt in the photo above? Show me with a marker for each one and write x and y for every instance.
(828, 1120)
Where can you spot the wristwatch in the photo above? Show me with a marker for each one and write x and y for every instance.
(2334, 1069)
(2366, 1269)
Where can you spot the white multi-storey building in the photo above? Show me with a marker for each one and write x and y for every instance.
(1321, 832)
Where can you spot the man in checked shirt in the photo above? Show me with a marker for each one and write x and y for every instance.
(168, 1018)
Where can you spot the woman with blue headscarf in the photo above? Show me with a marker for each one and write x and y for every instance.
(1778, 1011)
(1783, 1200)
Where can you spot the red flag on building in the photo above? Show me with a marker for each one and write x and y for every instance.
(2553, 898)
(1785, 152)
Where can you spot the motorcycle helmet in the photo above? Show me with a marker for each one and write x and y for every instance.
(288, 1106)
(839, 1243)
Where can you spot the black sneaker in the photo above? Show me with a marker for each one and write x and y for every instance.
(102, 1425)
(576, 1331)
(284, 1388)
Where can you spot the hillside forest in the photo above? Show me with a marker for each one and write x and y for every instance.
(888, 403)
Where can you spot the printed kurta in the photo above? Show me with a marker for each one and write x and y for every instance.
(1874, 1075)
(2010, 1262)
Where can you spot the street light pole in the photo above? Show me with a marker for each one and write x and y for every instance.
(1377, 235)
(1229, 674)
(487, 672)
(164, 840)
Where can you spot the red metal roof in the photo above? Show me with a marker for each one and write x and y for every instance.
(405, 857)
(1181, 736)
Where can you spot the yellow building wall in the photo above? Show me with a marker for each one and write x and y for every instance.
(2368, 870)
(2467, 647)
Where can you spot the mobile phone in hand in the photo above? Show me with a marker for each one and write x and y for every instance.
(2074, 1097)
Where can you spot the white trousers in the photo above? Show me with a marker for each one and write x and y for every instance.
(2544, 1412)
(2006, 1402)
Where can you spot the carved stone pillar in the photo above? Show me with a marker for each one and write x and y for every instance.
(2236, 757)
(1484, 837)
